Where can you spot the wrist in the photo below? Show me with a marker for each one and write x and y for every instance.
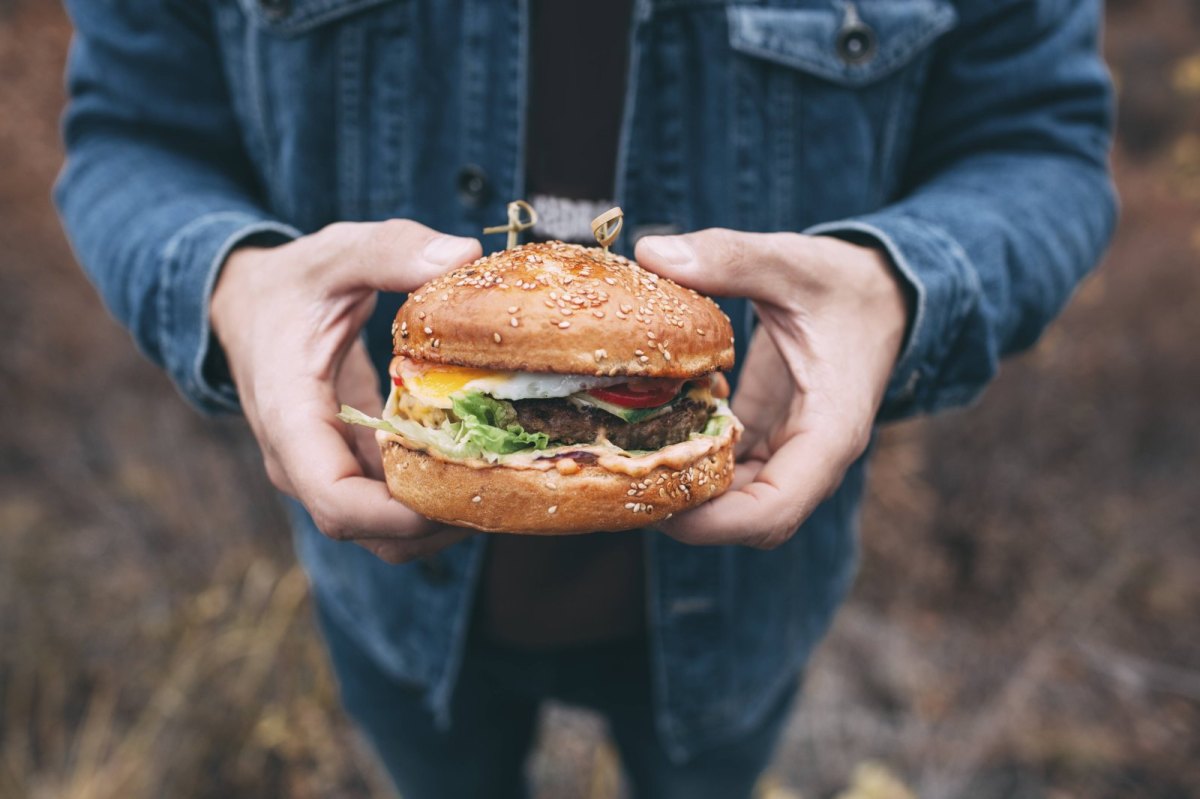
(230, 290)
(880, 289)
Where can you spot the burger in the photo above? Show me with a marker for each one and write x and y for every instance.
(553, 388)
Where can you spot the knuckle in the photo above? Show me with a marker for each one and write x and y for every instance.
(390, 554)
(276, 474)
(329, 523)
(335, 530)
(774, 537)
(338, 231)
(390, 232)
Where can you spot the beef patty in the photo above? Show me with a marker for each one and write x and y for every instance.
(569, 423)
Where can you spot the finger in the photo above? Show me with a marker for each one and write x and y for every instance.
(329, 480)
(397, 255)
(357, 385)
(722, 262)
(765, 511)
(395, 552)
(764, 392)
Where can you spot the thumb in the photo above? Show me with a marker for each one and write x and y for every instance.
(716, 261)
(398, 255)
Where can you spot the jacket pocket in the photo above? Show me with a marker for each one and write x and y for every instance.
(851, 43)
(826, 98)
(297, 17)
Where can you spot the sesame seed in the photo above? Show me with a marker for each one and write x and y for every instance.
(644, 359)
(565, 311)
(496, 337)
(477, 498)
(512, 309)
(666, 355)
(513, 321)
(630, 506)
(598, 314)
(700, 331)
(639, 352)
(650, 335)
(552, 509)
(437, 342)
(564, 324)
(428, 330)
(626, 307)
(420, 314)
(600, 354)
(612, 281)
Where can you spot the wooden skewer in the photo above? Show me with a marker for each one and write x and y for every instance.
(607, 226)
(515, 224)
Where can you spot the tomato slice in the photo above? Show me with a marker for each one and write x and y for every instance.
(644, 394)
(398, 382)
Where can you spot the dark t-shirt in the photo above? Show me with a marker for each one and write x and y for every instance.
(542, 592)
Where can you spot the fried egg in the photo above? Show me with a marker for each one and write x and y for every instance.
(434, 384)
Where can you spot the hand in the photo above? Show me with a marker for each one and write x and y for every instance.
(289, 319)
(833, 319)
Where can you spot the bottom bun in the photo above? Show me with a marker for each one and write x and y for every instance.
(500, 499)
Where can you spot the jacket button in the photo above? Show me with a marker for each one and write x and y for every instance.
(472, 185)
(276, 9)
(856, 45)
(434, 569)
(856, 39)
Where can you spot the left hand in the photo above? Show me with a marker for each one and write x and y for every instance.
(833, 320)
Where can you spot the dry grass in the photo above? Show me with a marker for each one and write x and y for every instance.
(1024, 626)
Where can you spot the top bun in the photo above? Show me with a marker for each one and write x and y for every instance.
(564, 308)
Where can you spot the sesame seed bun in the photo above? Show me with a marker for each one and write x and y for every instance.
(564, 308)
(592, 499)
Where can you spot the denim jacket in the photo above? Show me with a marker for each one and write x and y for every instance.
(968, 139)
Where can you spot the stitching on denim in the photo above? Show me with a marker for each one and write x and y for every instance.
(259, 107)
(395, 196)
(522, 89)
(473, 111)
(782, 94)
(348, 106)
(441, 692)
(318, 12)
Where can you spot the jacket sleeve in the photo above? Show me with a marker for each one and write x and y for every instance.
(1007, 201)
(157, 189)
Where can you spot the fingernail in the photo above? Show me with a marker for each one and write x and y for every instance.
(449, 250)
(668, 250)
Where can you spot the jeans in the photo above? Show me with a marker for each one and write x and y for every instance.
(494, 719)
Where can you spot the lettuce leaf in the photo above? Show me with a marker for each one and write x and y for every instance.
(491, 425)
(716, 423)
(355, 416)
(486, 428)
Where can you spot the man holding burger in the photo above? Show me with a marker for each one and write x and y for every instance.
(885, 195)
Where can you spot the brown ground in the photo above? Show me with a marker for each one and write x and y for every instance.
(1025, 624)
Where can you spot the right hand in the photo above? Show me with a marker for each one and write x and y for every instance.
(289, 320)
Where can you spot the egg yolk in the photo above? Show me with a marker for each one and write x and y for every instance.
(443, 380)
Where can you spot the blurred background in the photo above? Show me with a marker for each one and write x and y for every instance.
(1025, 624)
